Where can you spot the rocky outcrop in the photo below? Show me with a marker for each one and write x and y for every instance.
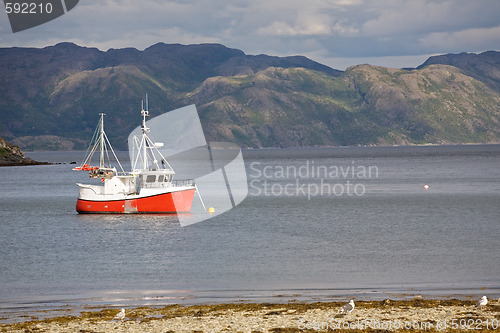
(12, 155)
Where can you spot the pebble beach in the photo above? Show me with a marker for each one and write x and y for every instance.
(412, 315)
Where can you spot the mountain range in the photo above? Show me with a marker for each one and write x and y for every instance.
(50, 98)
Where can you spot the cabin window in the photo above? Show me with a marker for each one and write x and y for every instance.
(160, 178)
(150, 179)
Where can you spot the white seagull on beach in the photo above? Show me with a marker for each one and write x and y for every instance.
(120, 315)
(482, 302)
(347, 308)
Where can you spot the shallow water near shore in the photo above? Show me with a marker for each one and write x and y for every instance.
(316, 225)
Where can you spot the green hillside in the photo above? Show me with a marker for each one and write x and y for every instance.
(50, 98)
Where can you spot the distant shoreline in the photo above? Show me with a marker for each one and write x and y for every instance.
(320, 147)
(23, 163)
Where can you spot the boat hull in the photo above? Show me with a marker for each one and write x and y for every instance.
(162, 203)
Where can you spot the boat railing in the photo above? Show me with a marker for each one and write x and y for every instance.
(182, 182)
(172, 183)
(124, 174)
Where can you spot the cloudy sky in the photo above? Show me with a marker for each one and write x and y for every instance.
(338, 33)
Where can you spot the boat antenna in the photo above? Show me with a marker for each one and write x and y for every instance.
(144, 113)
(144, 141)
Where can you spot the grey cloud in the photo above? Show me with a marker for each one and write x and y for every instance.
(328, 29)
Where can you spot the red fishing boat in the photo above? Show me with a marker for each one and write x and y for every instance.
(149, 188)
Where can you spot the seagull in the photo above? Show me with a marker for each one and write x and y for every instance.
(120, 315)
(482, 302)
(347, 308)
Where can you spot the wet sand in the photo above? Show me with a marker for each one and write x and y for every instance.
(415, 315)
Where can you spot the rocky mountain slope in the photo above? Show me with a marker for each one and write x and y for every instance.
(483, 67)
(55, 94)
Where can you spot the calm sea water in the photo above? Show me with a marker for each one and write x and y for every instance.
(317, 224)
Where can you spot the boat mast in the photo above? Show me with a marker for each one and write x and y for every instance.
(101, 141)
(145, 113)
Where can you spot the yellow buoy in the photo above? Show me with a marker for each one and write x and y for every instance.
(211, 210)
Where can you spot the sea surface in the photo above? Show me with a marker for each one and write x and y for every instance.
(317, 224)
